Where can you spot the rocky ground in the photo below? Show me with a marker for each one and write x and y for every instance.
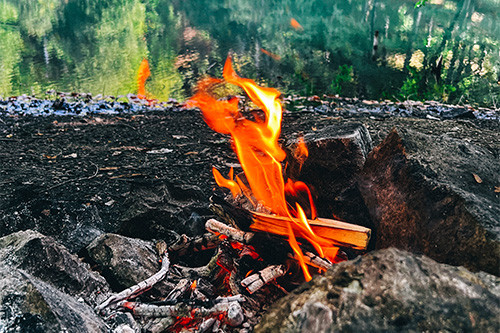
(76, 181)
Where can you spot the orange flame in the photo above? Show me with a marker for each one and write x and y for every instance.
(193, 285)
(142, 75)
(228, 183)
(296, 25)
(257, 148)
(270, 54)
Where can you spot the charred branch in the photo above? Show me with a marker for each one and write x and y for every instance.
(234, 234)
(233, 310)
(256, 281)
(139, 288)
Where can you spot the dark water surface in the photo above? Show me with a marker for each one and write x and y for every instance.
(445, 50)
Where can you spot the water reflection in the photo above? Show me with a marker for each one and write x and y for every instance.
(368, 48)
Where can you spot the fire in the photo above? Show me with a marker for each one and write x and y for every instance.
(142, 75)
(193, 285)
(256, 145)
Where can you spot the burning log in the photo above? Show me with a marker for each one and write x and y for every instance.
(139, 288)
(313, 260)
(340, 233)
(256, 281)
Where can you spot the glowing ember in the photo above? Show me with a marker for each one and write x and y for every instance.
(256, 145)
(193, 285)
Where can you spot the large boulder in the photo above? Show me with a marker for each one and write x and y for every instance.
(126, 261)
(29, 304)
(336, 154)
(435, 195)
(386, 291)
(42, 257)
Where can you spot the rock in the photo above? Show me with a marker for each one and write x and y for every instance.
(424, 197)
(336, 154)
(125, 261)
(160, 209)
(52, 263)
(30, 305)
(386, 291)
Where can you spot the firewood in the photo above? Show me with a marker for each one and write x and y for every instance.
(179, 289)
(340, 233)
(256, 281)
(234, 234)
(234, 316)
(206, 325)
(313, 260)
(139, 288)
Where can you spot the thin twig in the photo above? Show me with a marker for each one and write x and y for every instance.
(139, 288)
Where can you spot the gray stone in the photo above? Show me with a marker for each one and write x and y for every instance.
(386, 291)
(51, 262)
(336, 154)
(30, 305)
(423, 197)
(126, 261)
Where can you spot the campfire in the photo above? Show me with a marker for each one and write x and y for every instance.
(267, 234)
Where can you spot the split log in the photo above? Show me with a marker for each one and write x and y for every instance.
(139, 288)
(256, 281)
(237, 235)
(340, 233)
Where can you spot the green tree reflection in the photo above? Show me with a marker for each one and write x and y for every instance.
(446, 49)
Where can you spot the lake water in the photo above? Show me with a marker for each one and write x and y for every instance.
(445, 50)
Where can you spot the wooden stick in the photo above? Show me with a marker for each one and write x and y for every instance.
(179, 289)
(160, 324)
(139, 288)
(234, 312)
(340, 233)
(206, 325)
(234, 234)
(256, 281)
(313, 260)
(310, 258)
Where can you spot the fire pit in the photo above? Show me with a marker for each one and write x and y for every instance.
(268, 237)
